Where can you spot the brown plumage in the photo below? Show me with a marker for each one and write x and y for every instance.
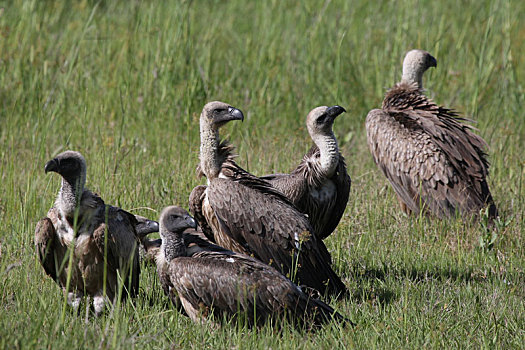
(249, 216)
(210, 280)
(320, 185)
(97, 232)
(434, 161)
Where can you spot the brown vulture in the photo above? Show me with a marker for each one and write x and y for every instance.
(434, 161)
(101, 239)
(320, 185)
(248, 215)
(212, 281)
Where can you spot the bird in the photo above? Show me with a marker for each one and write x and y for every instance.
(249, 216)
(320, 185)
(213, 283)
(100, 239)
(434, 161)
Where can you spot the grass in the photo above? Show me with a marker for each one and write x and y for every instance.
(124, 84)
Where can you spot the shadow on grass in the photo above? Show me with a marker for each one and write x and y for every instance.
(372, 295)
(359, 273)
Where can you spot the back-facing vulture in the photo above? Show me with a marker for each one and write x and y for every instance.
(210, 280)
(435, 162)
(249, 216)
(320, 185)
(100, 239)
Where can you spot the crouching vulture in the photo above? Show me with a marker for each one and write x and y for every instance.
(212, 281)
(249, 216)
(100, 239)
(320, 185)
(434, 161)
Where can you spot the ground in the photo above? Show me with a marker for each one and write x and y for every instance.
(124, 83)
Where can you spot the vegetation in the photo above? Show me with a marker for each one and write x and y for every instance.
(124, 84)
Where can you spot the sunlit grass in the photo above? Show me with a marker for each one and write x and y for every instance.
(124, 83)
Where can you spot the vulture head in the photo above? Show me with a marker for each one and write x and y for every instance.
(415, 64)
(320, 120)
(70, 165)
(174, 220)
(217, 114)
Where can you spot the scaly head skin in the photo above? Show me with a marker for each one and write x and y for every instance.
(214, 115)
(415, 65)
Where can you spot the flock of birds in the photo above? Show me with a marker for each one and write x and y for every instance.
(254, 245)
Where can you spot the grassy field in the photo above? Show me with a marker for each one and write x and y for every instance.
(124, 83)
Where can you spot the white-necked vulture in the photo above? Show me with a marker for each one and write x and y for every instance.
(249, 216)
(211, 280)
(434, 161)
(320, 185)
(102, 238)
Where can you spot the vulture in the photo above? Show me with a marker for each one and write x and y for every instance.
(212, 281)
(320, 185)
(100, 239)
(249, 216)
(435, 162)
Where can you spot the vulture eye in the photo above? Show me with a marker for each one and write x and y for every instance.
(321, 119)
(219, 111)
(67, 164)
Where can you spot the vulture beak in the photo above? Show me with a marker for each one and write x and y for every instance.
(235, 113)
(432, 62)
(225, 116)
(191, 222)
(52, 165)
(334, 111)
(145, 226)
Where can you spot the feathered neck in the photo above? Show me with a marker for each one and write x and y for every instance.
(209, 157)
(329, 152)
(70, 194)
(172, 245)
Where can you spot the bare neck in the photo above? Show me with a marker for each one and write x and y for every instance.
(412, 76)
(209, 158)
(329, 152)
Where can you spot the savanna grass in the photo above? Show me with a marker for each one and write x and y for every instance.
(124, 83)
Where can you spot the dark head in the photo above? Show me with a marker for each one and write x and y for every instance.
(174, 219)
(70, 165)
(320, 120)
(217, 114)
(415, 64)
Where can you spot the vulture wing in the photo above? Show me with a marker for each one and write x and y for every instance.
(122, 244)
(227, 283)
(266, 225)
(431, 159)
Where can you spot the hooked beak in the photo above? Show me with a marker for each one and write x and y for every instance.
(52, 165)
(191, 222)
(227, 115)
(432, 61)
(334, 111)
(235, 113)
(145, 226)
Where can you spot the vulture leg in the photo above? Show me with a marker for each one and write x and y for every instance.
(73, 300)
(98, 303)
(403, 206)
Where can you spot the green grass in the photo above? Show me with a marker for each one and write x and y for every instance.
(124, 84)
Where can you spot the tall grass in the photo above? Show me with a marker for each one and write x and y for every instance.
(124, 83)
